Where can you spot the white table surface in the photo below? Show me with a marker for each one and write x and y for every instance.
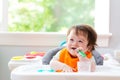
(30, 72)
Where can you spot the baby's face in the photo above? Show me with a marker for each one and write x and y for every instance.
(75, 42)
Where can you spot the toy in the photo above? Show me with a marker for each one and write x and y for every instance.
(17, 58)
(81, 53)
(33, 54)
(86, 54)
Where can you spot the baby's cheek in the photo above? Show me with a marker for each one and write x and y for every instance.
(76, 53)
(85, 49)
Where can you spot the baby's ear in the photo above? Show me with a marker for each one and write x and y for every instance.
(90, 48)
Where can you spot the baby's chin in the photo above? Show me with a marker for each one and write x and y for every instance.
(72, 53)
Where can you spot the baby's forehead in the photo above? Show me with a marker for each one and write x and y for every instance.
(80, 33)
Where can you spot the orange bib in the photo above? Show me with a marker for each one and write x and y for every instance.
(67, 59)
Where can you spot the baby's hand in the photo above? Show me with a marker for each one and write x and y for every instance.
(60, 67)
(77, 51)
(67, 68)
(81, 55)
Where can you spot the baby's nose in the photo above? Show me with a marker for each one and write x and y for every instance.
(75, 44)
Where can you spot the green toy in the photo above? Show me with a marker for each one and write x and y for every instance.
(82, 53)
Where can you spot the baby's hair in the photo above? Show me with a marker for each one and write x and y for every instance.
(87, 31)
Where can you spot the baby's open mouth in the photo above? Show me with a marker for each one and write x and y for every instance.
(73, 48)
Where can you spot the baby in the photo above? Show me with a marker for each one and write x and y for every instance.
(79, 38)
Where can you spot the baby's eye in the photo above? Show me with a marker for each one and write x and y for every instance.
(71, 40)
(80, 41)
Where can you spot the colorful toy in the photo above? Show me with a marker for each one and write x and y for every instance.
(82, 53)
(17, 58)
(33, 54)
(86, 54)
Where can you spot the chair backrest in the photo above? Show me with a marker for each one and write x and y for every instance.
(49, 55)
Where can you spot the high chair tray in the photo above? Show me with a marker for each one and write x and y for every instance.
(30, 72)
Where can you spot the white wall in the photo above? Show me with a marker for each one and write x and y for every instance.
(115, 24)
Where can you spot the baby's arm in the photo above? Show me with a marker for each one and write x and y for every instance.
(59, 66)
(93, 64)
(87, 59)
